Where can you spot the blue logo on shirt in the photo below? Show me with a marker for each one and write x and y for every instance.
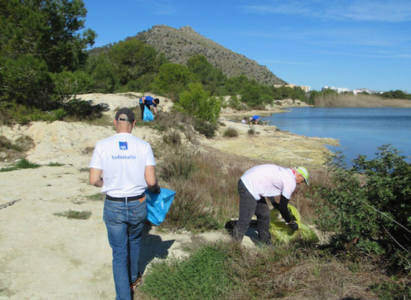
(123, 145)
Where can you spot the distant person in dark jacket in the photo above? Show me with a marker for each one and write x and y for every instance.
(148, 101)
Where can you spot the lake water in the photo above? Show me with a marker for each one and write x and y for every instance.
(360, 131)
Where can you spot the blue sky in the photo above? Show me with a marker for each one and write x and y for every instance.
(341, 43)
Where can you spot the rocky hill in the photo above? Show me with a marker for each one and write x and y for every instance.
(179, 45)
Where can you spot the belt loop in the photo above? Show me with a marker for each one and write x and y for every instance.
(126, 200)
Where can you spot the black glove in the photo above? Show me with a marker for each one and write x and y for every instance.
(293, 225)
(157, 190)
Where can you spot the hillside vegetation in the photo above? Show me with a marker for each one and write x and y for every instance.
(179, 45)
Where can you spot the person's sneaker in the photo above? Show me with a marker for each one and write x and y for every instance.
(136, 283)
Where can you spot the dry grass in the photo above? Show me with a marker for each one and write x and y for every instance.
(351, 100)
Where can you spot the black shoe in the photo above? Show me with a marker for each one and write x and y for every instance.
(136, 283)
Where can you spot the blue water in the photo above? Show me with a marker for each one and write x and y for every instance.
(360, 131)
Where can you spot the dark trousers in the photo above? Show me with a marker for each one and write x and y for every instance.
(142, 105)
(248, 207)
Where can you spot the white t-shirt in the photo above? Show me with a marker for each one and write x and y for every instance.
(269, 181)
(123, 159)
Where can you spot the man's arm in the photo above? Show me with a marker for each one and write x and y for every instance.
(151, 179)
(95, 177)
(283, 208)
(155, 110)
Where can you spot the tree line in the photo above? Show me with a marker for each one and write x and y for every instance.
(44, 62)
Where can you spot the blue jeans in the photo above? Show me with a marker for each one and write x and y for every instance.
(125, 222)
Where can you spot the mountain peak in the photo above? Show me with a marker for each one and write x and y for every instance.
(178, 45)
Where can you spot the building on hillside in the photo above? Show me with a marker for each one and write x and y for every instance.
(305, 88)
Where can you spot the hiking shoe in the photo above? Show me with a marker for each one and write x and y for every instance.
(136, 283)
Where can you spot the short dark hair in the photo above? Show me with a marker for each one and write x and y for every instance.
(156, 100)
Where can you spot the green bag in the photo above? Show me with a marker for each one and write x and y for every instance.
(282, 232)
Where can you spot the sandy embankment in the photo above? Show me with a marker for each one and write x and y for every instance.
(44, 256)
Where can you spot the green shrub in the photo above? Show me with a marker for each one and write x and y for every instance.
(73, 214)
(392, 290)
(25, 164)
(11, 113)
(204, 127)
(178, 163)
(230, 132)
(369, 206)
(172, 137)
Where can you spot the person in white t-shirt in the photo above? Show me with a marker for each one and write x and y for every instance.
(269, 181)
(124, 167)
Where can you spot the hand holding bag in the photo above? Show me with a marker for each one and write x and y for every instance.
(158, 205)
(147, 115)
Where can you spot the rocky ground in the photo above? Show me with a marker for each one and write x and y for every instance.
(46, 256)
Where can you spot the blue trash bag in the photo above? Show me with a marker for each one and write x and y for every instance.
(147, 115)
(158, 205)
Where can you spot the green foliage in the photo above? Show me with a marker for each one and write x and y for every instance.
(172, 79)
(25, 80)
(172, 137)
(101, 70)
(69, 83)
(397, 94)
(6, 145)
(369, 205)
(47, 30)
(83, 110)
(196, 102)
(392, 290)
(132, 59)
(202, 276)
(12, 113)
(211, 78)
(38, 42)
(25, 164)
(205, 127)
(251, 94)
(235, 103)
(21, 164)
(55, 164)
(73, 214)
(182, 164)
(230, 132)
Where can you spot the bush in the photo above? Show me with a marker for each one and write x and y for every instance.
(369, 206)
(198, 103)
(204, 127)
(230, 132)
(172, 137)
(74, 214)
(84, 110)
